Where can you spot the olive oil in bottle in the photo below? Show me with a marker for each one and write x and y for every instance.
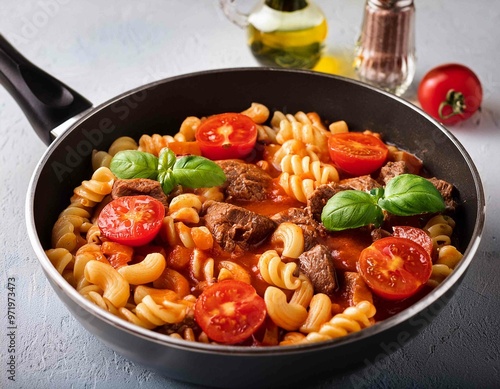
(287, 33)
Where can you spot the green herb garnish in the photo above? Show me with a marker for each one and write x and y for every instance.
(191, 171)
(404, 195)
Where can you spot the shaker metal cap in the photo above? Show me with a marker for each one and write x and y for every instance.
(391, 3)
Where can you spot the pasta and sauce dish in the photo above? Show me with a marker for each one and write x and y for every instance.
(256, 229)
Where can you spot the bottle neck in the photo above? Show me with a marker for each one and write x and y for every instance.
(286, 5)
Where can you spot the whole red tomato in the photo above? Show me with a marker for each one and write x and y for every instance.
(450, 93)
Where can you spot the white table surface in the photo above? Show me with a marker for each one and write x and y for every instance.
(103, 48)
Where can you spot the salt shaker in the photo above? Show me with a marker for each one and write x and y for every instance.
(385, 51)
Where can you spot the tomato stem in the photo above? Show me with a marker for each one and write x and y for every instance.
(456, 101)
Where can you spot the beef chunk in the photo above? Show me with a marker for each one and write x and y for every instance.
(364, 183)
(391, 170)
(139, 186)
(323, 193)
(245, 181)
(355, 289)
(234, 226)
(446, 189)
(319, 198)
(311, 228)
(317, 265)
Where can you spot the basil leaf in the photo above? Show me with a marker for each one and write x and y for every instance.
(167, 180)
(193, 171)
(166, 159)
(409, 194)
(351, 209)
(134, 164)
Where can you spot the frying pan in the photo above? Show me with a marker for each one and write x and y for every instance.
(160, 107)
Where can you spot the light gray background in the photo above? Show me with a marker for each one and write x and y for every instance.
(103, 48)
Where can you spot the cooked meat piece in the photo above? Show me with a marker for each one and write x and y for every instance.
(317, 265)
(355, 289)
(391, 170)
(446, 189)
(139, 186)
(301, 217)
(320, 197)
(234, 226)
(323, 193)
(245, 181)
(364, 183)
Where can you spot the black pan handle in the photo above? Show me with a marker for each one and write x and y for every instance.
(45, 101)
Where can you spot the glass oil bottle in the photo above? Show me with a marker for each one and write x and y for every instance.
(283, 33)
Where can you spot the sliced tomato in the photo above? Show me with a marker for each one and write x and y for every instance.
(415, 234)
(395, 268)
(131, 220)
(226, 136)
(230, 311)
(356, 153)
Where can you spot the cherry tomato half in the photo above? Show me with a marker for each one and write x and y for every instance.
(230, 311)
(356, 153)
(415, 234)
(395, 268)
(131, 220)
(450, 93)
(226, 136)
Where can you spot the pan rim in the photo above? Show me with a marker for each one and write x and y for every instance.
(164, 340)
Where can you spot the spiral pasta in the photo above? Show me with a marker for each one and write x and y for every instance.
(178, 233)
(115, 287)
(91, 192)
(148, 314)
(100, 159)
(448, 258)
(353, 319)
(154, 143)
(259, 113)
(297, 187)
(231, 270)
(294, 146)
(321, 173)
(187, 129)
(440, 229)
(292, 238)
(304, 131)
(275, 272)
(121, 144)
(74, 221)
(320, 311)
(289, 316)
(61, 258)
